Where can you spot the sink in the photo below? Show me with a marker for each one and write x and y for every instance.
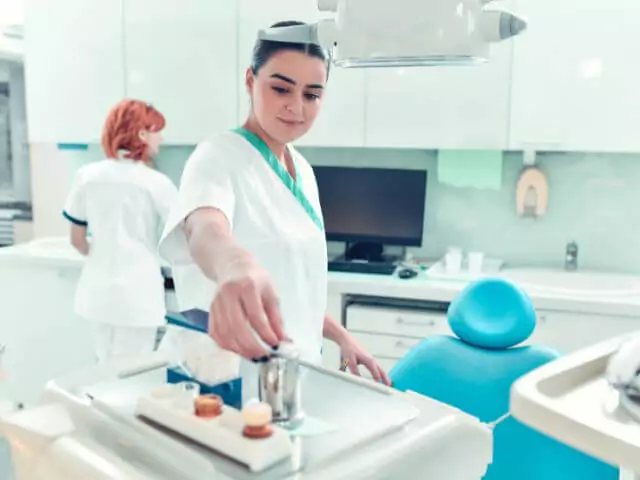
(578, 283)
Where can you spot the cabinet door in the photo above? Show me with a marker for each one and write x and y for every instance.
(181, 56)
(575, 78)
(341, 120)
(74, 70)
(440, 107)
(568, 332)
(45, 338)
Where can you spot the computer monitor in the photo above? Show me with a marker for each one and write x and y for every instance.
(372, 207)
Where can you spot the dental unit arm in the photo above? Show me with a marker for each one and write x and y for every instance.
(589, 400)
(404, 33)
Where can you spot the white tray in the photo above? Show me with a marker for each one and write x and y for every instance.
(222, 434)
(342, 404)
(569, 399)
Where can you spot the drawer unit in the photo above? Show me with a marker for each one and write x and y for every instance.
(397, 321)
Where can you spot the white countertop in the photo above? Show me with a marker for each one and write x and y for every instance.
(582, 291)
(424, 288)
(55, 252)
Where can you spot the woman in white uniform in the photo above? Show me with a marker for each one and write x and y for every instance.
(124, 203)
(246, 240)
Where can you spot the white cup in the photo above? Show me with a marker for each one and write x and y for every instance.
(453, 260)
(474, 262)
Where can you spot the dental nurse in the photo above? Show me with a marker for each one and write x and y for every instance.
(245, 239)
(124, 203)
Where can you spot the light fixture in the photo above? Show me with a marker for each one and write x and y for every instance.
(395, 33)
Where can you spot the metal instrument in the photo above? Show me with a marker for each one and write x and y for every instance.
(280, 388)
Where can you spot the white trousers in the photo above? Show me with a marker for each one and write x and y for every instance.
(114, 341)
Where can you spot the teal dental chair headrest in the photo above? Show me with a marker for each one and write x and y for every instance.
(492, 313)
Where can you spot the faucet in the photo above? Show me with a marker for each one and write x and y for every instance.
(571, 256)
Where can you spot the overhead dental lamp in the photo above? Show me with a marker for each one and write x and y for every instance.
(404, 33)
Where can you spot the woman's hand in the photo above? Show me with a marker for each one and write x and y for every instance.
(353, 354)
(246, 302)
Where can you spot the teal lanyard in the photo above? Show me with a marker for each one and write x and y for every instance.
(282, 173)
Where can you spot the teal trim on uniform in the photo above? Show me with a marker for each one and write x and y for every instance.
(74, 220)
(276, 166)
(73, 146)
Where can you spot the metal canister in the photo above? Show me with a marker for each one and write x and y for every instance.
(280, 388)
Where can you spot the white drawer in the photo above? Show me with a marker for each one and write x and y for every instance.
(386, 347)
(395, 321)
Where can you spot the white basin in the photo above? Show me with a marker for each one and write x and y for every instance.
(580, 283)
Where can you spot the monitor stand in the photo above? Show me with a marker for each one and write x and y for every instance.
(363, 257)
(364, 251)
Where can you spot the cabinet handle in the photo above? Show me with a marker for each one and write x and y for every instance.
(410, 323)
(404, 346)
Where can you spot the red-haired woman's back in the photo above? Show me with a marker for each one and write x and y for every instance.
(123, 203)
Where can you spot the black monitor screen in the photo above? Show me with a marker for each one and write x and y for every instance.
(373, 204)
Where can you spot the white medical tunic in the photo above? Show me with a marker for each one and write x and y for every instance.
(124, 205)
(274, 217)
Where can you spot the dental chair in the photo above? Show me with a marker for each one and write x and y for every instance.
(474, 373)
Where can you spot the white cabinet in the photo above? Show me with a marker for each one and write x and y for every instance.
(567, 332)
(388, 333)
(395, 321)
(74, 67)
(575, 80)
(181, 56)
(440, 107)
(341, 121)
(45, 338)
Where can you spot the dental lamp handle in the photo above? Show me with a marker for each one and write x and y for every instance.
(328, 5)
(323, 33)
(497, 25)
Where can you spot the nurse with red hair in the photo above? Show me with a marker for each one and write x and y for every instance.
(123, 202)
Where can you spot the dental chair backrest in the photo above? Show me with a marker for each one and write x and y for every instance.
(474, 373)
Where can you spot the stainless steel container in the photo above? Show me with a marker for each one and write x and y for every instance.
(280, 388)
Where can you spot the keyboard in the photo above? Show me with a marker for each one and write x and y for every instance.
(374, 268)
